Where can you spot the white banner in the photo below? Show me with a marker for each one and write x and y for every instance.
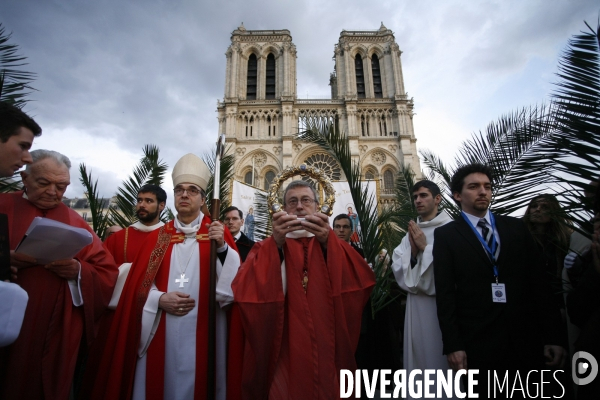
(242, 197)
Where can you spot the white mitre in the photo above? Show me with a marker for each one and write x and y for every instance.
(191, 169)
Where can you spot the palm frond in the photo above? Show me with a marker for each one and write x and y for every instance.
(551, 148)
(263, 227)
(226, 169)
(100, 218)
(14, 83)
(328, 137)
(150, 170)
(578, 120)
(10, 184)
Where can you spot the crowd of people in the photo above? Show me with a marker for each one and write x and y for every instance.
(129, 318)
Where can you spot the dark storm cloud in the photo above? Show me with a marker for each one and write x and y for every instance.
(152, 72)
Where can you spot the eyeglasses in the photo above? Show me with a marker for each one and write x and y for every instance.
(306, 201)
(342, 227)
(192, 191)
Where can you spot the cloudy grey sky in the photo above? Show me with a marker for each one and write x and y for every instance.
(116, 75)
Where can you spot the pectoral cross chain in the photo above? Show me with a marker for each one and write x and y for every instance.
(182, 280)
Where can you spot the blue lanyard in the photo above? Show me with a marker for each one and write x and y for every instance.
(491, 251)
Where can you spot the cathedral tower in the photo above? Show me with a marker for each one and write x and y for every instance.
(260, 112)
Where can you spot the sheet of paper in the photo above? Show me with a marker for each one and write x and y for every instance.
(48, 240)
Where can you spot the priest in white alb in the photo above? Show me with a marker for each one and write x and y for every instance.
(158, 344)
(413, 269)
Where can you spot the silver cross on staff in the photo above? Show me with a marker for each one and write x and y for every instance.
(182, 280)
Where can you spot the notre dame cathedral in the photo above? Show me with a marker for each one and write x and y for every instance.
(261, 113)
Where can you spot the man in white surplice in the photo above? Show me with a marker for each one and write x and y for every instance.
(413, 269)
(165, 298)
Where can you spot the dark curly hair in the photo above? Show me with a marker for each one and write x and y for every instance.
(458, 179)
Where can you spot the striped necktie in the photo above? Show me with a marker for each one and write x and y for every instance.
(488, 236)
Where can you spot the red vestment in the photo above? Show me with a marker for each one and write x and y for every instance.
(125, 244)
(296, 344)
(41, 363)
(117, 368)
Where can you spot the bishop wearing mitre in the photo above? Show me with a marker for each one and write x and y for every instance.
(158, 342)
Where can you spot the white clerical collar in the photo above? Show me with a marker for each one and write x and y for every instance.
(192, 227)
(441, 218)
(138, 226)
(475, 220)
(238, 235)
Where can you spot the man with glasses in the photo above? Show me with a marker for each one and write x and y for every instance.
(301, 293)
(343, 228)
(234, 219)
(159, 339)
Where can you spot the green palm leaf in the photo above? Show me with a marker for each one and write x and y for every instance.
(14, 83)
(10, 184)
(150, 170)
(549, 148)
(327, 136)
(100, 218)
(263, 227)
(226, 170)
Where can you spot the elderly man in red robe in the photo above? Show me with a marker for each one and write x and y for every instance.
(158, 344)
(66, 297)
(300, 293)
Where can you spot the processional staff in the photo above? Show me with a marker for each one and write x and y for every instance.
(215, 206)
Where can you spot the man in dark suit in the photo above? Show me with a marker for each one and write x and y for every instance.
(234, 219)
(493, 303)
(343, 228)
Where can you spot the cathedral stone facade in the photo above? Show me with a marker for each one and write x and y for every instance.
(260, 113)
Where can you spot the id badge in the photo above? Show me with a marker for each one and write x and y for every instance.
(498, 293)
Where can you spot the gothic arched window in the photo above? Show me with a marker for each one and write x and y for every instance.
(269, 177)
(376, 76)
(388, 180)
(270, 83)
(252, 75)
(369, 175)
(248, 178)
(364, 126)
(360, 77)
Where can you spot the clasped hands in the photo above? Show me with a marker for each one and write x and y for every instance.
(417, 239)
(317, 224)
(66, 269)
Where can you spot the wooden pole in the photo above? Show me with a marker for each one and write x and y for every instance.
(212, 302)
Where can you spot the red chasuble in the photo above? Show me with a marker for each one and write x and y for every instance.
(296, 344)
(41, 363)
(125, 244)
(117, 368)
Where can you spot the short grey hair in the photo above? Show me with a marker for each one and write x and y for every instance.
(38, 155)
(299, 184)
